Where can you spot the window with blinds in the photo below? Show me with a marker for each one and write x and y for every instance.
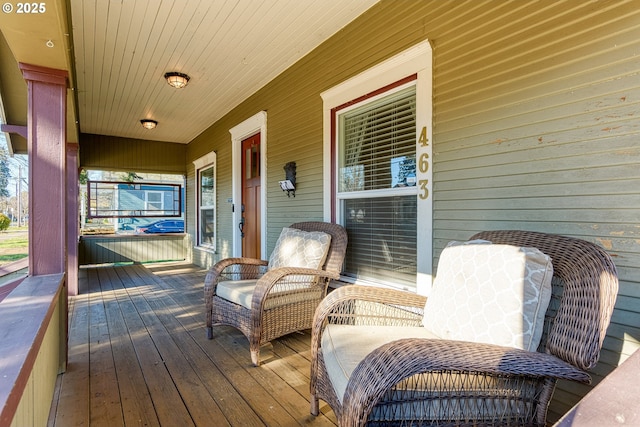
(376, 186)
(206, 206)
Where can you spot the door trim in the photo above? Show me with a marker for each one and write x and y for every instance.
(254, 124)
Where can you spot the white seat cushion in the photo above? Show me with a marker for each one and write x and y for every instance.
(237, 291)
(494, 294)
(241, 292)
(344, 346)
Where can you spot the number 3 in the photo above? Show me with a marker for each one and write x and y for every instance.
(423, 186)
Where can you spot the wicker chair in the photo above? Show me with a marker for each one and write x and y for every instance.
(417, 381)
(284, 299)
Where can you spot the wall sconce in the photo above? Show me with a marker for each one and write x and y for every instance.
(289, 183)
(177, 80)
(148, 123)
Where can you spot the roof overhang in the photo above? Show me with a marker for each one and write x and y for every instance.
(41, 39)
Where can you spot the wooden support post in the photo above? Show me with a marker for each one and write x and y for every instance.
(72, 218)
(46, 143)
(46, 130)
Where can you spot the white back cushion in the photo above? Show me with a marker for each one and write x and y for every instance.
(495, 294)
(297, 248)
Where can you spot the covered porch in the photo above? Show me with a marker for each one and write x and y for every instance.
(138, 355)
(530, 122)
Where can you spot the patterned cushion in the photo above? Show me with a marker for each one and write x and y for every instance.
(495, 294)
(297, 248)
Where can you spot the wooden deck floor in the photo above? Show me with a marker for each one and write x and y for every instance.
(138, 356)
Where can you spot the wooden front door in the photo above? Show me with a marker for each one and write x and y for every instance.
(251, 208)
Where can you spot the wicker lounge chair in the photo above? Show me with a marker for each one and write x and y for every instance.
(266, 302)
(421, 381)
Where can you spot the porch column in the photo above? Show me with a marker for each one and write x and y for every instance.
(72, 218)
(46, 137)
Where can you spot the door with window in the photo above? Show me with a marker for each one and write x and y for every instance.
(251, 209)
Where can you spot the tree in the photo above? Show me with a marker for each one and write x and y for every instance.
(83, 177)
(5, 172)
(130, 177)
(5, 222)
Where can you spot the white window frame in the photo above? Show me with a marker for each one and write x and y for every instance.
(147, 202)
(205, 162)
(416, 60)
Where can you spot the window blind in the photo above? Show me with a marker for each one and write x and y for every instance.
(378, 141)
(377, 146)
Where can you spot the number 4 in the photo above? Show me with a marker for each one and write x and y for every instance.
(423, 140)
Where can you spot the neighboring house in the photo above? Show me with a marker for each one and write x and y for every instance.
(142, 204)
(489, 115)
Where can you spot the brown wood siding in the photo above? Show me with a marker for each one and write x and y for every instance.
(535, 127)
(101, 152)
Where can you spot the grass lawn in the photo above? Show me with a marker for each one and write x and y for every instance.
(13, 246)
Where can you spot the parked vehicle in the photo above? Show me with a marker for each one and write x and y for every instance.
(162, 226)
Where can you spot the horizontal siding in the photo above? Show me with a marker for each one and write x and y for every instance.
(101, 152)
(536, 128)
(133, 248)
(536, 108)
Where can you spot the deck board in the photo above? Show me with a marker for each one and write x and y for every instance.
(103, 385)
(138, 356)
(74, 391)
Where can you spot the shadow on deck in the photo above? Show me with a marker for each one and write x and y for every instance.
(138, 355)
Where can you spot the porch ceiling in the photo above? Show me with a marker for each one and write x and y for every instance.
(118, 51)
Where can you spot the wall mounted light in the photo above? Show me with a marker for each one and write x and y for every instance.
(289, 183)
(148, 123)
(177, 80)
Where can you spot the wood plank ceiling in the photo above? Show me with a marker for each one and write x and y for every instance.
(230, 49)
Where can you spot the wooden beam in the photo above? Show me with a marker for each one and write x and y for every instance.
(20, 130)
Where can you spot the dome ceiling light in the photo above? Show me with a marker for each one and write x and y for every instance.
(177, 80)
(148, 123)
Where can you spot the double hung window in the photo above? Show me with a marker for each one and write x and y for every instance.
(376, 185)
(154, 201)
(206, 201)
(377, 140)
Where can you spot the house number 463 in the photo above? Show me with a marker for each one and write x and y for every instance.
(423, 164)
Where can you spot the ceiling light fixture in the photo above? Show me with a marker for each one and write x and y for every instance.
(148, 123)
(177, 80)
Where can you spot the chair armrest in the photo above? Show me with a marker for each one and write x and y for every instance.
(397, 360)
(288, 276)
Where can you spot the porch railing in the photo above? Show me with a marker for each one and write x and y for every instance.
(33, 319)
(117, 248)
(11, 275)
